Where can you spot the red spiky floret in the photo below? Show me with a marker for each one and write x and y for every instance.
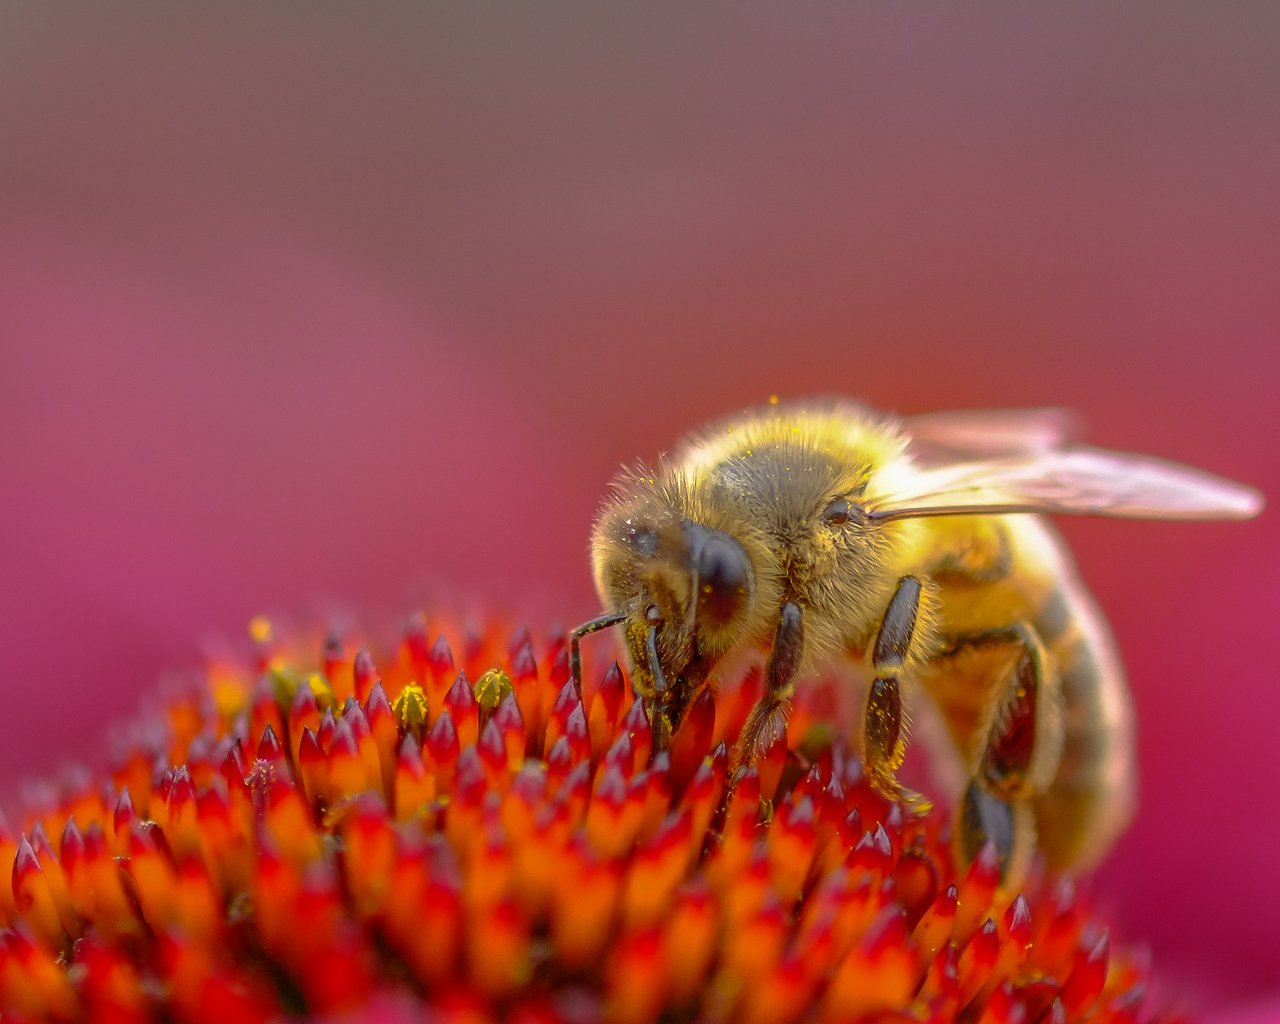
(310, 835)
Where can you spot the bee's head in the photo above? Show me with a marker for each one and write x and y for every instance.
(686, 588)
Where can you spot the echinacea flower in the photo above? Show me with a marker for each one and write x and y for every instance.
(319, 830)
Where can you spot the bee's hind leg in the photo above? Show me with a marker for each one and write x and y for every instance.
(771, 710)
(885, 725)
(1018, 758)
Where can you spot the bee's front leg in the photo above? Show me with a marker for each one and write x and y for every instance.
(885, 725)
(606, 621)
(774, 705)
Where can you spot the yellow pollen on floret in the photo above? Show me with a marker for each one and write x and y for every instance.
(410, 707)
(320, 689)
(492, 688)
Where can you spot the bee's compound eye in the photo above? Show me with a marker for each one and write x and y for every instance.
(838, 512)
(724, 578)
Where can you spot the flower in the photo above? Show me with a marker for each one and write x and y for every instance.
(294, 836)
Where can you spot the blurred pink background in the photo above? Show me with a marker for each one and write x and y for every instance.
(299, 306)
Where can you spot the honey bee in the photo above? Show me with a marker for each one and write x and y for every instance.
(818, 534)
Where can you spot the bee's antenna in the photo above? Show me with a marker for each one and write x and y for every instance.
(691, 615)
(660, 707)
(606, 621)
(651, 650)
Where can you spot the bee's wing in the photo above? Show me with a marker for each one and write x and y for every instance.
(1073, 481)
(940, 437)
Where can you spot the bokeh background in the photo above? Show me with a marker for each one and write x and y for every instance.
(304, 305)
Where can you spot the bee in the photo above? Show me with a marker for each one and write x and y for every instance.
(822, 534)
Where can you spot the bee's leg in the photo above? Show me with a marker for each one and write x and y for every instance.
(1019, 756)
(1007, 823)
(885, 725)
(774, 705)
(606, 621)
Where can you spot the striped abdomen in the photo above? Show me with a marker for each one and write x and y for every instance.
(998, 572)
(1091, 798)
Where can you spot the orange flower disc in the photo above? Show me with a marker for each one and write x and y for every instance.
(319, 830)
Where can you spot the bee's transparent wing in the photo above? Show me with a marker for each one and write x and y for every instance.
(962, 434)
(1073, 481)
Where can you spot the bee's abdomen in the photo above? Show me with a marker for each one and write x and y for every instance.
(1090, 799)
